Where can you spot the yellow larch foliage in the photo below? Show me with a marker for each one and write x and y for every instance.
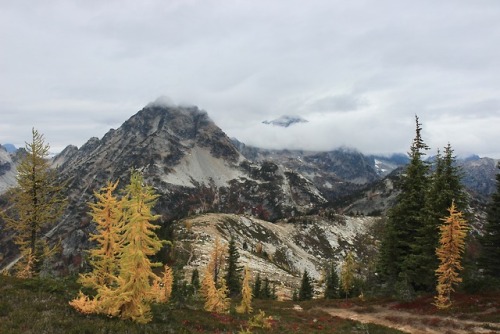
(453, 231)
(131, 300)
(213, 285)
(26, 265)
(206, 283)
(246, 293)
(37, 201)
(217, 259)
(107, 214)
(215, 265)
(84, 304)
(347, 273)
(126, 235)
(260, 321)
(162, 288)
(216, 299)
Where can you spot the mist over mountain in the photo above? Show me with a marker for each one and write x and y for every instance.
(286, 121)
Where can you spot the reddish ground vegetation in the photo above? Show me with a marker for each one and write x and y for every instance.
(479, 307)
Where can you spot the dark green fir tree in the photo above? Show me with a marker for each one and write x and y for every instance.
(233, 270)
(195, 280)
(266, 292)
(490, 241)
(445, 188)
(306, 290)
(406, 217)
(332, 283)
(257, 285)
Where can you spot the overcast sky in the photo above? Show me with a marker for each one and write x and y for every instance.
(358, 71)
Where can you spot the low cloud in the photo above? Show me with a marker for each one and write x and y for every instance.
(162, 101)
(359, 72)
(339, 103)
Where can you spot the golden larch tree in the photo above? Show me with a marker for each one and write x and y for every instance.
(216, 298)
(107, 214)
(246, 294)
(217, 259)
(125, 233)
(85, 304)
(37, 202)
(213, 286)
(451, 247)
(215, 264)
(162, 288)
(347, 273)
(27, 268)
(132, 298)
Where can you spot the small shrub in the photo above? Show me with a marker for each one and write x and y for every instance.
(404, 291)
(260, 321)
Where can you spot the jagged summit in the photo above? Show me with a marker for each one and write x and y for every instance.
(155, 137)
(286, 121)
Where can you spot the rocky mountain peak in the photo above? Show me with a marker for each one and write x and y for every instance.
(186, 125)
(8, 147)
(157, 137)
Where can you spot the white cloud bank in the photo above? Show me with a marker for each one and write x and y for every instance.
(357, 70)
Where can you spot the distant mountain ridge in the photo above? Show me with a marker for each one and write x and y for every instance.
(9, 148)
(8, 168)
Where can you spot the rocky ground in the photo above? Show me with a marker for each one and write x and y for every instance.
(279, 251)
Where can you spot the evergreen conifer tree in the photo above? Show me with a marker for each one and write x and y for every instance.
(295, 295)
(452, 244)
(332, 283)
(306, 291)
(257, 286)
(37, 202)
(490, 241)
(265, 292)
(195, 280)
(406, 217)
(233, 270)
(445, 187)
